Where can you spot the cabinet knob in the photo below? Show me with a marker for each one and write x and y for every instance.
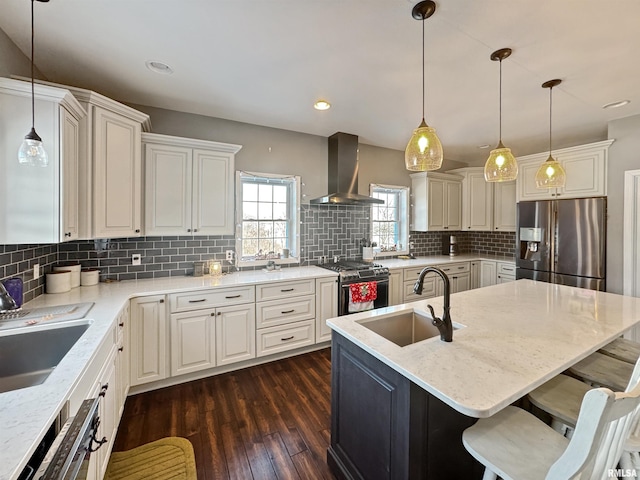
(195, 229)
(121, 324)
(68, 234)
(188, 229)
(162, 301)
(137, 230)
(121, 349)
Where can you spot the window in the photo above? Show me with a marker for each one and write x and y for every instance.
(268, 212)
(390, 221)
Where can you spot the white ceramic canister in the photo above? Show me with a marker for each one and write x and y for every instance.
(75, 273)
(89, 276)
(58, 281)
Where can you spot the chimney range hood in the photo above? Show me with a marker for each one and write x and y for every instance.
(343, 173)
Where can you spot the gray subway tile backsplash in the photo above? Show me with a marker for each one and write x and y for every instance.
(326, 230)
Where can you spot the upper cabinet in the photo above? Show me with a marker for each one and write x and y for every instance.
(585, 166)
(189, 186)
(486, 206)
(436, 201)
(39, 205)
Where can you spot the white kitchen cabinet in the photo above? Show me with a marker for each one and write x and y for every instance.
(148, 330)
(506, 272)
(475, 275)
(39, 205)
(477, 199)
(504, 206)
(396, 287)
(326, 306)
(436, 201)
(488, 273)
(193, 341)
(122, 358)
(459, 277)
(109, 413)
(235, 334)
(585, 167)
(189, 186)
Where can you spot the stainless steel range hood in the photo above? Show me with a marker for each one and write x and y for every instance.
(343, 173)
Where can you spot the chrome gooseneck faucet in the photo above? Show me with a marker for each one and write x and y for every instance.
(444, 324)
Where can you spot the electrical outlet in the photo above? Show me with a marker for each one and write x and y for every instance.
(36, 271)
(229, 254)
(136, 259)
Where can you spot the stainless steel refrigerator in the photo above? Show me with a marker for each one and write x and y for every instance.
(563, 241)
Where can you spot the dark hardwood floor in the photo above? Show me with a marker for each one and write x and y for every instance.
(270, 421)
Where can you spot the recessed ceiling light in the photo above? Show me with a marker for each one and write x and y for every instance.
(483, 146)
(621, 103)
(159, 67)
(322, 105)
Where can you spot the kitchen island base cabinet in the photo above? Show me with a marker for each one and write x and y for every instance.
(385, 426)
(148, 332)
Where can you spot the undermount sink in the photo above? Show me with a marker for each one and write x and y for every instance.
(405, 327)
(27, 359)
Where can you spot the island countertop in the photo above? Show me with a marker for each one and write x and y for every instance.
(516, 336)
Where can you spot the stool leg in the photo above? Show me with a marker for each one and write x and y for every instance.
(489, 475)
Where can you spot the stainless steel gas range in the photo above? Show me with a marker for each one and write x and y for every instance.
(358, 274)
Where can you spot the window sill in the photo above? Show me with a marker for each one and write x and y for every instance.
(263, 263)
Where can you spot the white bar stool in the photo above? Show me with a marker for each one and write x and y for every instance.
(602, 371)
(622, 349)
(516, 445)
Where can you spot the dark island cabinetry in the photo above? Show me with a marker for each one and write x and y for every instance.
(383, 426)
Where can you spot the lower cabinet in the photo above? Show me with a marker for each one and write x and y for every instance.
(193, 341)
(285, 337)
(396, 287)
(488, 275)
(475, 274)
(506, 272)
(326, 306)
(148, 332)
(235, 334)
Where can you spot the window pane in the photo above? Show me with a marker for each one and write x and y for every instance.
(249, 247)
(249, 210)
(265, 193)
(249, 192)
(249, 230)
(265, 211)
(280, 193)
(279, 229)
(266, 230)
(266, 245)
(279, 244)
(280, 211)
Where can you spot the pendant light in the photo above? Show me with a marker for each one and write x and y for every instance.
(501, 166)
(31, 151)
(424, 150)
(550, 174)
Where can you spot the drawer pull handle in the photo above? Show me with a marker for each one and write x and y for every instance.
(120, 349)
(162, 300)
(121, 324)
(287, 338)
(507, 269)
(288, 311)
(233, 296)
(460, 268)
(287, 289)
(197, 301)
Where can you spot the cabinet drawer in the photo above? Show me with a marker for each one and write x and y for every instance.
(272, 291)
(506, 268)
(286, 337)
(412, 273)
(182, 302)
(453, 268)
(277, 312)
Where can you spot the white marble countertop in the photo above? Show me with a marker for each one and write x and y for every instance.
(26, 414)
(438, 260)
(517, 335)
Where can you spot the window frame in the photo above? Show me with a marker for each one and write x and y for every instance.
(403, 197)
(293, 223)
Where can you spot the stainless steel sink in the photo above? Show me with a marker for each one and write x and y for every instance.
(405, 327)
(27, 359)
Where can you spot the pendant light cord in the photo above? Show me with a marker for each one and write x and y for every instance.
(33, 102)
(500, 107)
(423, 96)
(550, 110)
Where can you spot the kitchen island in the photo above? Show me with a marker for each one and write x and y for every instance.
(398, 411)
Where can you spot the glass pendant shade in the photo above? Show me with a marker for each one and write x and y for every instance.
(424, 150)
(32, 152)
(551, 174)
(501, 166)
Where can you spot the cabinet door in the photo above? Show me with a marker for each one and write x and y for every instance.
(505, 278)
(326, 306)
(148, 331)
(488, 275)
(117, 175)
(168, 172)
(586, 173)
(453, 206)
(122, 359)
(69, 148)
(504, 209)
(193, 341)
(235, 334)
(460, 282)
(213, 193)
(477, 202)
(475, 275)
(395, 287)
(436, 209)
(109, 414)
(526, 181)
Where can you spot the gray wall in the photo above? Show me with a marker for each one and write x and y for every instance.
(12, 60)
(624, 154)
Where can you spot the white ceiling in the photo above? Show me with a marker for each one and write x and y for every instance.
(266, 61)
